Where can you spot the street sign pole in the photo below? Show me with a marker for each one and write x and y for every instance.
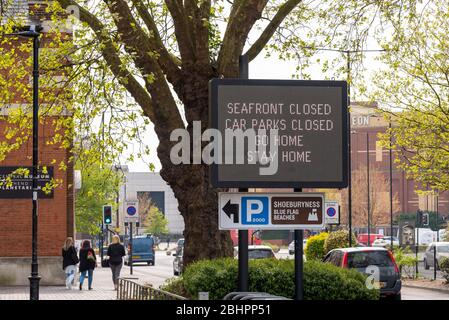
(435, 247)
(130, 260)
(417, 240)
(101, 240)
(243, 234)
(299, 262)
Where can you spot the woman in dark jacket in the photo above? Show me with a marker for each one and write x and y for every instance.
(69, 262)
(116, 251)
(88, 262)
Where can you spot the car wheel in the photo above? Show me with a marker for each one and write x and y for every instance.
(176, 273)
(426, 266)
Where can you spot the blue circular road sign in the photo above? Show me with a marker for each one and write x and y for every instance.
(131, 210)
(331, 212)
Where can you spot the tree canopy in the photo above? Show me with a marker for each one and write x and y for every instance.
(413, 88)
(161, 56)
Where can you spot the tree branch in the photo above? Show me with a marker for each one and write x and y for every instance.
(182, 29)
(112, 58)
(167, 61)
(136, 44)
(266, 35)
(244, 15)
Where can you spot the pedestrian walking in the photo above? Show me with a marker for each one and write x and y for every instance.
(168, 242)
(69, 262)
(88, 262)
(116, 252)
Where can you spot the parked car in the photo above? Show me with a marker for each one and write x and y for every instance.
(291, 246)
(363, 238)
(178, 263)
(254, 237)
(257, 252)
(142, 250)
(442, 250)
(385, 241)
(362, 258)
(179, 245)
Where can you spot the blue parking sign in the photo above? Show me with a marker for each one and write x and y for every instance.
(255, 210)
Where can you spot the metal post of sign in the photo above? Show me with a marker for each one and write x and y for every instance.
(243, 234)
(130, 260)
(417, 240)
(435, 247)
(434, 262)
(101, 240)
(299, 262)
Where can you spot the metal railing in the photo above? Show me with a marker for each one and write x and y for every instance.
(129, 290)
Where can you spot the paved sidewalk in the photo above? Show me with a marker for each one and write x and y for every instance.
(438, 285)
(103, 288)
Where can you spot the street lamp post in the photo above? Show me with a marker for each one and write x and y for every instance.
(348, 75)
(368, 191)
(35, 278)
(391, 190)
(34, 33)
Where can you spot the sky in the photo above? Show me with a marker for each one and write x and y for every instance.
(259, 68)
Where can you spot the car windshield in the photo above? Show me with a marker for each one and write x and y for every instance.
(444, 249)
(181, 242)
(364, 259)
(260, 254)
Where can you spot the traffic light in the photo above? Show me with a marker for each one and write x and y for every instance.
(425, 219)
(107, 215)
(419, 215)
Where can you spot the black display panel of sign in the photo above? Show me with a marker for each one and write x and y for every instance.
(22, 186)
(311, 146)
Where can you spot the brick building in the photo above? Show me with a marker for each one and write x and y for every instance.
(365, 122)
(55, 211)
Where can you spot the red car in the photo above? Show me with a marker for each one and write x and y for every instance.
(363, 238)
(377, 263)
(251, 233)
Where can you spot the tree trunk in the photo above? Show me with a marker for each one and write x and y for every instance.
(198, 205)
(197, 199)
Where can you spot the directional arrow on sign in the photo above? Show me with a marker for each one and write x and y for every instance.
(232, 209)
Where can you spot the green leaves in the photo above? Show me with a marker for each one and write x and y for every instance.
(413, 90)
(314, 249)
(99, 187)
(321, 281)
(338, 239)
(156, 222)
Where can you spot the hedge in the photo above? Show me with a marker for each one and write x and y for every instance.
(338, 239)
(314, 249)
(322, 281)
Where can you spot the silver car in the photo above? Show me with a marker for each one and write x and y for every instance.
(442, 250)
(291, 246)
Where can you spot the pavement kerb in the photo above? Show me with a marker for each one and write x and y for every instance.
(426, 288)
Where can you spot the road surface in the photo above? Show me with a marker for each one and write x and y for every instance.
(157, 274)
